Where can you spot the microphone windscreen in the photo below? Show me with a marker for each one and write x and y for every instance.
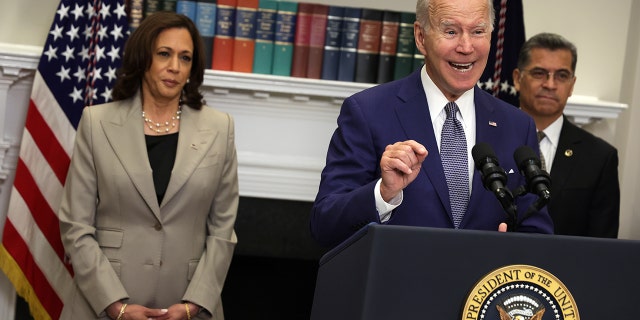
(482, 151)
(524, 154)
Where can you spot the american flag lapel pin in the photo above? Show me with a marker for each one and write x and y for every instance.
(493, 123)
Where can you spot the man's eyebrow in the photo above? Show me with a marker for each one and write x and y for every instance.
(447, 22)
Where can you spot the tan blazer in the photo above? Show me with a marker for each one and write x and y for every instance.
(121, 242)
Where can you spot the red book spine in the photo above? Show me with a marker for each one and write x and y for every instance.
(301, 40)
(316, 40)
(245, 37)
(223, 41)
(369, 46)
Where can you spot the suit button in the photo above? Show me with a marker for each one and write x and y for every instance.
(158, 226)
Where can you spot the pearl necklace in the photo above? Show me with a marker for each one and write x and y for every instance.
(162, 127)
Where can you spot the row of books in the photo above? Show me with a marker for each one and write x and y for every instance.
(305, 40)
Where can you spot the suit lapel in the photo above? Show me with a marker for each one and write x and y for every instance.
(194, 142)
(126, 137)
(562, 165)
(416, 122)
(487, 130)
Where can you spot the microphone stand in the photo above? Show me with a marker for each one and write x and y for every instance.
(505, 197)
(535, 206)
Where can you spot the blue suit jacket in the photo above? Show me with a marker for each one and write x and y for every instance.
(398, 111)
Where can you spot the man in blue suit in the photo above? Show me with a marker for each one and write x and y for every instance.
(384, 162)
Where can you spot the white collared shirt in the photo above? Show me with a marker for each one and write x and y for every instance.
(467, 116)
(549, 144)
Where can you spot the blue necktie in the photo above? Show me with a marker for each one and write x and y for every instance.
(453, 151)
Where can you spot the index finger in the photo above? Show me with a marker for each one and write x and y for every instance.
(417, 147)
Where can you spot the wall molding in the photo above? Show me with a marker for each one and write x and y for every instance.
(283, 124)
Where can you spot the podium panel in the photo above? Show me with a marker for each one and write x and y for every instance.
(401, 272)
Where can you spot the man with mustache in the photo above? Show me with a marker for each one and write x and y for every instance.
(585, 193)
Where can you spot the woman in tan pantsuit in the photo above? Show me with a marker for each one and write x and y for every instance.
(152, 191)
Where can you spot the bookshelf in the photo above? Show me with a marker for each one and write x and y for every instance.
(283, 124)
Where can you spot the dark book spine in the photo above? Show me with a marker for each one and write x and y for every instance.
(388, 45)
(369, 46)
(418, 60)
(302, 39)
(265, 36)
(349, 44)
(205, 20)
(151, 6)
(332, 38)
(168, 5)
(316, 40)
(406, 46)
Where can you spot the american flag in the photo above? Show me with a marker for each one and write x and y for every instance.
(77, 69)
(506, 40)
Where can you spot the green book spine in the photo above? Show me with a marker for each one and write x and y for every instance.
(285, 32)
(418, 60)
(406, 46)
(169, 5)
(151, 6)
(265, 36)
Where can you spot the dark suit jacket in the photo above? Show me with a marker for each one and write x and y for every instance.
(398, 111)
(585, 193)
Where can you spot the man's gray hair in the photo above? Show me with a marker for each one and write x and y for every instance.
(423, 17)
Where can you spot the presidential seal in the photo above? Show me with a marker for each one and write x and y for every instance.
(520, 292)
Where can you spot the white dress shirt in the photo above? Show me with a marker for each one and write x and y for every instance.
(549, 144)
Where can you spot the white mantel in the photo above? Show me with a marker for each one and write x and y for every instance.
(283, 124)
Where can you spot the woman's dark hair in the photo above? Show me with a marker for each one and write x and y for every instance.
(138, 54)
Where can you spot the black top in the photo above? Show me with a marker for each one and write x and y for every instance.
(162, 154)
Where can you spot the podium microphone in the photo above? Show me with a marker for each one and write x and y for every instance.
(494, 179)
(538, 180)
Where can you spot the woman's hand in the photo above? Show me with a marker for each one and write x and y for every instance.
(134, 312)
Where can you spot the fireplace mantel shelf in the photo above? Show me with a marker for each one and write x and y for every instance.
(283, 124)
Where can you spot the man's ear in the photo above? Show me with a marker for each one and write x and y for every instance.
(418, 35)
(516, 79)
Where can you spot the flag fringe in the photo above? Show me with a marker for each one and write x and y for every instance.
(23, 288)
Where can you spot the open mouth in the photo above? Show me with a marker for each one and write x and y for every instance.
(462, 67)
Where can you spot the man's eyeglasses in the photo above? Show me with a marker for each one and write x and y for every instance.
(560, 76)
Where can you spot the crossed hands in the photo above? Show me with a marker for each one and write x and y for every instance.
(139, 312)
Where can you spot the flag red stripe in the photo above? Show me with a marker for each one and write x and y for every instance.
(15, 245)
(52, 115)
(45, 218)
(46, 141)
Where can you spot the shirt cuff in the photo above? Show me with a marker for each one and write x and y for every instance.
(385, 208)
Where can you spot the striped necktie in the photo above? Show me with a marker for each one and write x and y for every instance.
(541, 136)
(453, 151)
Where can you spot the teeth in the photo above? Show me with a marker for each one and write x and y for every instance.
(464, 67)
(461, 65)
